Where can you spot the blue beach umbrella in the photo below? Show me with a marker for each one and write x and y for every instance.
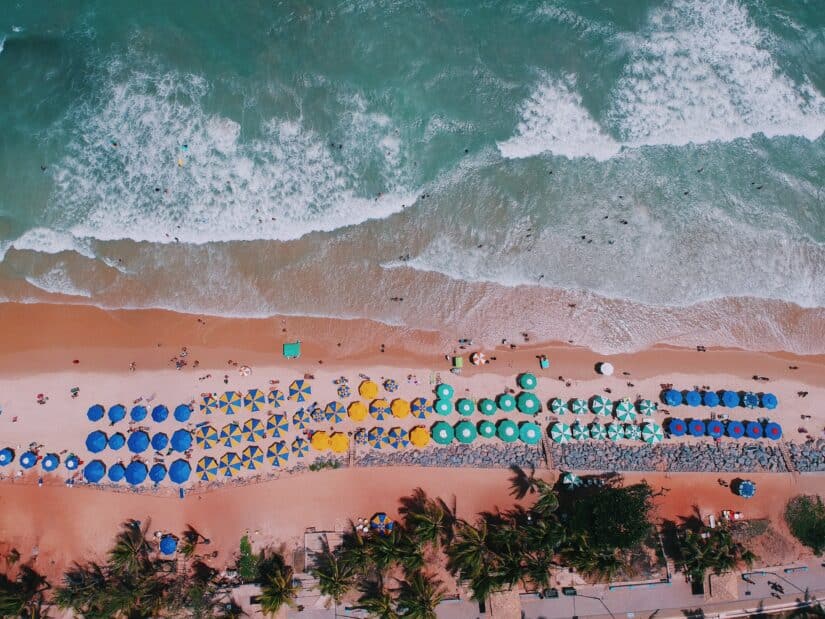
(95, 412)
(714, 428)
(117, 441)
(730, 399)
(300, 447)
(207, 468)
(28, 459)
(138, 442)
(72, 462)
(278, 454)
(181, 440)
(94, 471)
(301, 419)
(168, 545)
(157, 473)
(377, 437)
(335, 412)
(277, 425)
(206, 436)
(253, 428)
(116, 472)
(138, 413)
(255, 400)
(753, 429)
(179, 471)
(710, 398)
(230, 402)
(299, 390)
(696, 427)
(136, 472)
(182, 413)
(160, 441)
(117, 413)
(693, 398)
(421, 408)
(736, 429)
(229, 463)
(275, 398)
(769, 401)
(160, 413)
(773, 431)
(50, 462)
(750, 400)
(208, 404)
(6, 456)
(677, 427)
(746, 489)
(96, 441)
(672, 397)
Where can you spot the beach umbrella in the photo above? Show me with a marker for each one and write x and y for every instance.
(335, 412)
(529, 433)
(693, 398)
(710, 398)
(231, 434)
(625, 411)
(116, 472)
(138, 442)
(182, 413)
(229, 464)
(506, 402)
(398, 438)
(696, 427)
(96, 441)
(157, 473)
(580, 431)
(95, 412)
(275, 398)
(652, 433)
(344, 392)
(181, 440)
(444, 391)
(615, 431)
(400, 408)
(136, 472)
(714, 428)
(319, 440)
(632, 432)
(360, 436)
(558, 406)
(421, 408)
(528, 403)
(677, 427)
(316, 414)
(507, 430)
(301, 419)
(50, 462)
(253, 428)
(277, 454)
(206, 436)
(746, 489)
(769, 401)
(252, 456)
(730, 399)
(168, 545)
(527, 381)
(597, 431)
(377, 437)
(753, 429)
(443, 433)
(465, 432)
(571, 480)
(442, 407)
(672, 397)
(339, 442)
(160, 441)
(487, 406)
(93, 472)
(230, 402)
(560, 432)
(138, 413)
(751, 400)
(72, 462)
(579, 407)
(486, 429)
(276, 425)
(160, 413)
(773, 430)
(299, 390)
(6, 456)
(381, 523)
(419, 436)
(117, 441)
(207, 468)
(208, 404)
(179, 471)
(606, 368)
(28, 459)
(601, 405)
(117, 413)
(735, 429)
(368, 390)
(380, 409)
(390, 385)
(357, 411)
(647, 407)
(465, 407)
(255, 400)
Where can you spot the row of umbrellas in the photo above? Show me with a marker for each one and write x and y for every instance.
(467, 432)
(159, 413)
(254, 400)
(251, 458)
(525, 402)
(716, 429)
(207, 436)
(50, 462)
(624, 409)
(136, 472)
(139, 441)
(368, 389)
(648, 432)
(728, 399)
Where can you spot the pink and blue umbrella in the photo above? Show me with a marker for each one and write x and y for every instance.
(736, 429)
(677, 427)
(753, 429)
(696, 427)
(773, 431)
(715, 429)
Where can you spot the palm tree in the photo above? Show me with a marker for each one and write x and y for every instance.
(376, 600)
(355, 551)
(429, 521)
(130, 554)
(468, 555)
(278, 589)
(522, 483)
(419, 595)
(547, 501)
(594, 561)
(714, 550)
(83, 590)
(335, 577)
(22, 597)
(397, 548)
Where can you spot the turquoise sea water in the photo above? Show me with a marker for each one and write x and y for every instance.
(258, 158)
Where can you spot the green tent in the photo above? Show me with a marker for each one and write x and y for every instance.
(527, 381)
(444, 391)
(487, 406)
(528, 403)
(632, 432)
(615, 431)
(579, 407)
(625, 411)
(530, 433)
(442, 433)
(602, 406)
(580, 431)
(597, 431)
(465, 432)
(487, 429)
(506, 402)
(560, 432)
(558, 406)
(442, 407)
(507, 430)
(292, 350)
(647, 407)
(652, 433)
(465, 407)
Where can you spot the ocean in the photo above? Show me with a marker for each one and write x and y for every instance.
(614, 174)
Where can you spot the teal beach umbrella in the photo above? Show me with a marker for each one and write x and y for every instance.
(507, 430)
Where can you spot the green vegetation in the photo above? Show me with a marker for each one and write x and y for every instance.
(247, 561)
(320, 465)
(805, 516)
(711, 549)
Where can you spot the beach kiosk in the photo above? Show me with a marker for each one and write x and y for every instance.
(292, 350)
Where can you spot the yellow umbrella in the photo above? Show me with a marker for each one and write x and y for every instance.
(419, 436)
(320, 441)
(400, 408)
(357, 411)
(368, 390)
(338, 442)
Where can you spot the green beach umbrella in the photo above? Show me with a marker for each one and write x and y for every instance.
(579, 407)
(632, 432)
(527, 381)
(652, 433)
(530, 433)
(571, 480)
(506, 402)
(597, 431)
(558, 406)
(615, 431)
(560, 432)
(442, 407)
(507, 430)
(647, 407)
(580, 431)
(602, 406)
(442, 433)
(528, 403)
(465, 432)
(625, 411)
(487, 429)
(487, 406)
(444, 391)
(465, 407)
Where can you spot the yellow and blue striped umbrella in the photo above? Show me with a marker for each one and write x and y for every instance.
(398, 438)
(380, 409)
(255, 400)
(299, 390)
(335, 412)
(231, 434)
(277, 425)
(230, 402)
(229, 463)
(421, 408)
(300, 447)
(206, 436)
(253, 428)
(207, 468)
(209, 404)
(377, 438)
(300, 419)
(252, 456)
(276, 398)
(277, 454)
